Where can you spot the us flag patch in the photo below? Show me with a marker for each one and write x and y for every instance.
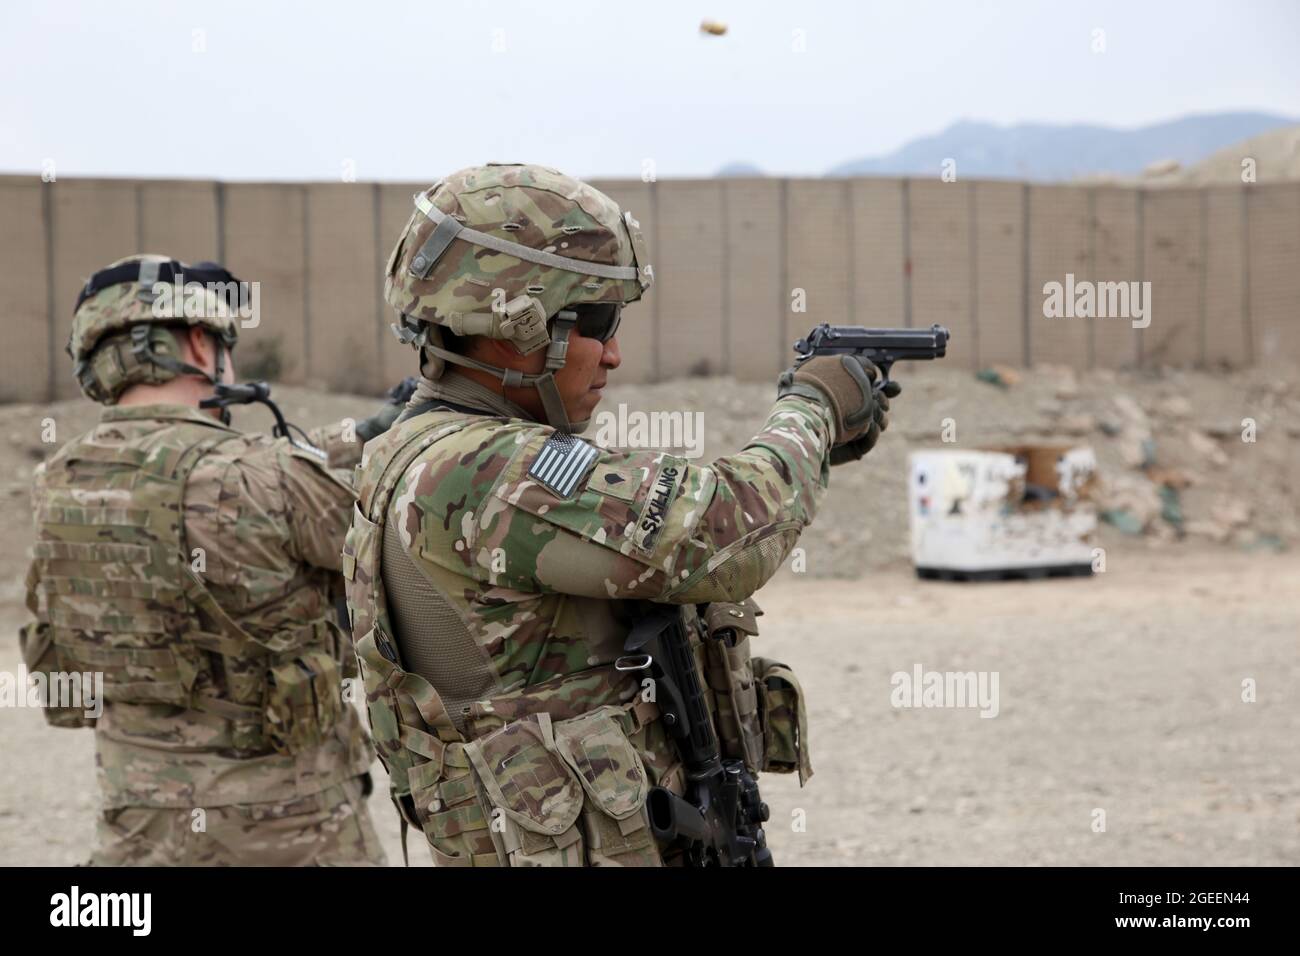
(562, 462)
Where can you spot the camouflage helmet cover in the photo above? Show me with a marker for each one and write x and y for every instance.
(121, 306)
(527, 206)
(104, 349)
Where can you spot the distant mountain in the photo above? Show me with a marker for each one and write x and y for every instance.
(739, 169)
(1045, 151)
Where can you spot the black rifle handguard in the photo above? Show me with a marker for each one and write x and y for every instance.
(718, 820)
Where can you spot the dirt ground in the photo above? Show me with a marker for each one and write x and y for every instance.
(1122, 693)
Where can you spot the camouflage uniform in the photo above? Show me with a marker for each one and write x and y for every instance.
(196, 568)
(533, 581)
(492, 561)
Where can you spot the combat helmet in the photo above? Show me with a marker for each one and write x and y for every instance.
(513, 252)
(119, 326)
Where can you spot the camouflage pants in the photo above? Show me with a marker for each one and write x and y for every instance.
(331, 828)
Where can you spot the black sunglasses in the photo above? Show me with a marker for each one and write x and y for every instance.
(597, 320)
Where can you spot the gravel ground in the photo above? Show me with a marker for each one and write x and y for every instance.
(1121, 693)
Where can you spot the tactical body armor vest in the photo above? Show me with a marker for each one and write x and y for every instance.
(552, 773)
(119, 594)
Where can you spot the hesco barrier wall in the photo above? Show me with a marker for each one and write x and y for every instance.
(736, 259)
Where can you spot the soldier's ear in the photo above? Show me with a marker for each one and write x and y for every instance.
(200, 346)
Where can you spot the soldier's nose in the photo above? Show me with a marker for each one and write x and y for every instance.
(611, 357)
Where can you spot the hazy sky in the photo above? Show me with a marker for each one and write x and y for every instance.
(409, 91)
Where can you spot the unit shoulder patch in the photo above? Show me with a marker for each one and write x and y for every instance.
(562, 462)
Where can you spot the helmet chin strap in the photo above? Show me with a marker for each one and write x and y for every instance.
(144, 350)
(544, 382)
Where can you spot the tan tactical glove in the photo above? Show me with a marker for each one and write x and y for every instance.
(846, 384)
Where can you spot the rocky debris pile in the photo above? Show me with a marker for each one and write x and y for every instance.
(1179, 467)
(1173, 454)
